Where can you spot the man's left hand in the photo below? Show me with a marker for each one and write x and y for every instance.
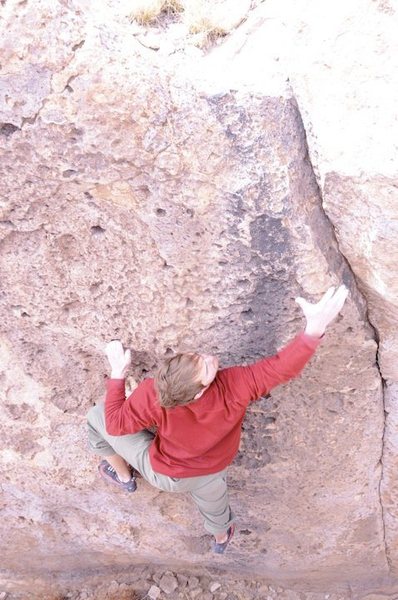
(322, 313)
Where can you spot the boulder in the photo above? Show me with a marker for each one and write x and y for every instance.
(182, 202)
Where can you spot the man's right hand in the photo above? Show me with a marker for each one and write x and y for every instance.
(119, 359)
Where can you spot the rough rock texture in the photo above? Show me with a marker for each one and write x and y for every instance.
(171, 201)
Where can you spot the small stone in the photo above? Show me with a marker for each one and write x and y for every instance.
(193, 582)
(207, 596)
(214, 586)
(113, 588)
(146, 573)
(182, 580)
(222, 596)
(262, 589)
(3, 595)
(195, 593)
(204, 582)
(154, 592)
(168, 583)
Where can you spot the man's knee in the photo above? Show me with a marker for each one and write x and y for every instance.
(96, 431)
(96, 414)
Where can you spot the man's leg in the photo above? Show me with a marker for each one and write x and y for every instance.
(121, 450)
(221, 538)
(209, 492)
(212, 501)
(121, 467)
(132, 448)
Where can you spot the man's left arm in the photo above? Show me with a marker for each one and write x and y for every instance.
(258, 379)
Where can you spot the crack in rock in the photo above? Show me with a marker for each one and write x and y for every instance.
(383, 443)
(376, 338)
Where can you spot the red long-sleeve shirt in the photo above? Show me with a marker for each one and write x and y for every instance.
(202, 437)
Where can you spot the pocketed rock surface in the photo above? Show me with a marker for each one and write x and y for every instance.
(180, 199)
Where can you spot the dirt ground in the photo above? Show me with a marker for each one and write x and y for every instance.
(148, 584)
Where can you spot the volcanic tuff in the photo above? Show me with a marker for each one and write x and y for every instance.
(180, 198)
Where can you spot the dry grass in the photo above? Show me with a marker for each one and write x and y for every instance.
(203, 19)
(146, 12)
(203, 16)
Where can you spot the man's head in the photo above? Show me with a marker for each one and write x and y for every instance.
(184, 377)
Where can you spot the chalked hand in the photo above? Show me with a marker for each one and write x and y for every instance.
(119, 359)
(322, 313)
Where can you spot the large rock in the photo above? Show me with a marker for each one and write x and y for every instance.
(340, 63)
(171, 202)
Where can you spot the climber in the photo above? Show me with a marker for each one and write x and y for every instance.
(197, 411)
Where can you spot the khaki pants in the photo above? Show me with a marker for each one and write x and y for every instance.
(209, 492)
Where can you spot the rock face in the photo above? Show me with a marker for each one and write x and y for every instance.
(172, 201)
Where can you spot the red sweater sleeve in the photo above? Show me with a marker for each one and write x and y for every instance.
(253, 381)
(127, 416)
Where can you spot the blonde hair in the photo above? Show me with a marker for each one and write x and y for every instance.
(177, 380)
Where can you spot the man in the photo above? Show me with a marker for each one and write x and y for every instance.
(197, 411)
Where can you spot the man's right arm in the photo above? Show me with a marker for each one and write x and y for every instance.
(124, 416)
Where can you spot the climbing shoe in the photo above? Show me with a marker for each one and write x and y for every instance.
(220, 548)
(108, 473)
